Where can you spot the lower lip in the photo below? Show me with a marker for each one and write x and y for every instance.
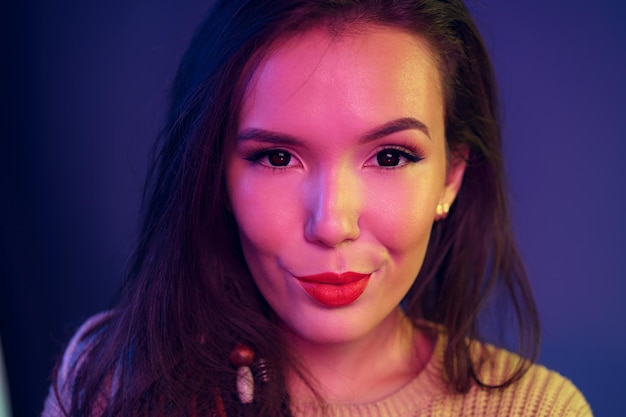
(335, 295)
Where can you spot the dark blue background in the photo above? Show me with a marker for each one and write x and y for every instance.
(83, 87)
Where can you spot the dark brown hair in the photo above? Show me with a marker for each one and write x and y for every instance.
(189, 297)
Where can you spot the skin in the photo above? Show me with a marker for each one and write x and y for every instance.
(310, 195)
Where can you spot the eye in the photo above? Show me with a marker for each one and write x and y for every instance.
(388, 158)
(394, 157)
(278, 158)
(273, 158)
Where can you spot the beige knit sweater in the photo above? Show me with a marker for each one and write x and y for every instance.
(539, 393)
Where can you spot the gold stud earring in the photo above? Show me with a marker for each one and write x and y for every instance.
(442, 211)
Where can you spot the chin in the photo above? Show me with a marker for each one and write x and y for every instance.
(332, 326)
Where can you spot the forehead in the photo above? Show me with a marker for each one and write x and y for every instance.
(370, 72)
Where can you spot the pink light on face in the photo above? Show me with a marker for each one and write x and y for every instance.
(339, 165)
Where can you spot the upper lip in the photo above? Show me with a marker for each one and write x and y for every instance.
(334, 278)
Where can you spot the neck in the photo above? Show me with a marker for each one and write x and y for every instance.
(363, 370)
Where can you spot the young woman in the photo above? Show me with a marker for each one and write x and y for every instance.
(326, 223)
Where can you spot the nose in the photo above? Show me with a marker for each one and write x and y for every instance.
(334, 208)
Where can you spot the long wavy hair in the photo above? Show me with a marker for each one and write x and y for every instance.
(189, 297)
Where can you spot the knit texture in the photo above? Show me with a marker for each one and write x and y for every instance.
(540, 393)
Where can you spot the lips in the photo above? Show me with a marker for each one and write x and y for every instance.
(334, 290)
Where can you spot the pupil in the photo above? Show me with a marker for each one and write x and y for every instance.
(388, 158)
(279, 158)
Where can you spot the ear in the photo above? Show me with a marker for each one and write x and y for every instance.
(454, 179)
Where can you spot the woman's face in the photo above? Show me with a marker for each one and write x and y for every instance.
(335, 175)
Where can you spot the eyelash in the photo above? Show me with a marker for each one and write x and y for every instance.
(409, 154)
(255, 156)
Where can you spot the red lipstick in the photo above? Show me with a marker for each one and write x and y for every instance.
(335, 290)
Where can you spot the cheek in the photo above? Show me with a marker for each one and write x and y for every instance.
(263, 211)
(403, 220)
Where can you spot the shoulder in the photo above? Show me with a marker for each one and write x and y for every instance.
(81, 343)
(59, 396)
(539, 392)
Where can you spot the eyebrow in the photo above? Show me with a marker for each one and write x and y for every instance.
(398, 125)
(394, 126)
